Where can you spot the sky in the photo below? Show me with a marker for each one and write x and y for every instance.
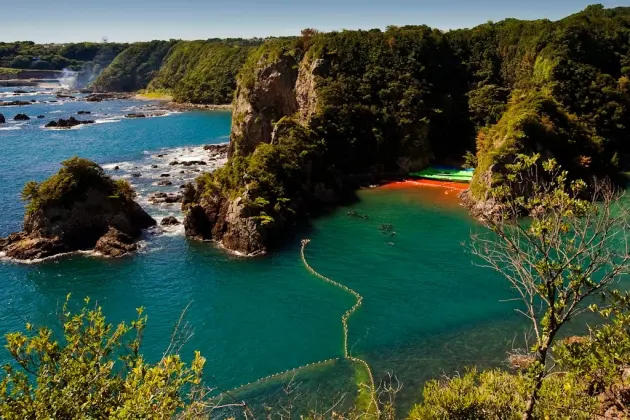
(45, 21)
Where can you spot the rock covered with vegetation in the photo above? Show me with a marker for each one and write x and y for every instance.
(558, 88)
(79, 208)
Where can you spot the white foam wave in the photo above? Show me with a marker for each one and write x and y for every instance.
(3, 256)
(107, 120)
(10, 128)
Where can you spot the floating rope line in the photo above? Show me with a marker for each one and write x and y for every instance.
(276, 375)
(344, 321)
(346, 353)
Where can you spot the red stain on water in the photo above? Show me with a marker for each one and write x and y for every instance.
(451, 186)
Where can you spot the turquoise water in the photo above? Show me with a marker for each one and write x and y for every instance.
(427, 309)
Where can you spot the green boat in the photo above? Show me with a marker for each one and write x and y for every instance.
(444, 173)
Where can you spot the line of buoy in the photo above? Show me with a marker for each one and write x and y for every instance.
(346, 353)
(276, 375)
(344, 321)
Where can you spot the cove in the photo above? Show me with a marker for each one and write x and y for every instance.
(426, 308)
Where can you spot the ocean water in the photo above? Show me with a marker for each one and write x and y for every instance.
(427, 309)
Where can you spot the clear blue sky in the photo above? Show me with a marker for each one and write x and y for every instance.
(140, 20)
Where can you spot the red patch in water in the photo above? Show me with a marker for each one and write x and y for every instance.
(455, 186)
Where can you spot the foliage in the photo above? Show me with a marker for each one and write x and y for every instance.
(201, 71)
(385, 95)
(573, 245)
(73, 180)
(94, 371)
(601, 358)
(579, 62)
(134, 68)
(500, 395)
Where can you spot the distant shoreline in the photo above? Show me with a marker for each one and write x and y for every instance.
(180, 106)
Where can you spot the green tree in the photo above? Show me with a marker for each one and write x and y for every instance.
(572, 245)
(95, 371)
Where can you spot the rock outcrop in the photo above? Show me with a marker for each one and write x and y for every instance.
(259, 103)
(170, 221)
(99, 97)
(2, 120)
(92, 213)
(228, 222)
(115, 244)
(21, 117)
(15, 103)
(69, 123)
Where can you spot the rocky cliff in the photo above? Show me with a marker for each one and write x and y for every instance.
(303, 136)
(77, 209)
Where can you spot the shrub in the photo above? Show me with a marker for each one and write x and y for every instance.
(94, 371)
(73, 180)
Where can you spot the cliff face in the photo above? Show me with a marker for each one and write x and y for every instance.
(257, 106)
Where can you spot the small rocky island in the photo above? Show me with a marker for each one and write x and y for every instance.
(79, 208)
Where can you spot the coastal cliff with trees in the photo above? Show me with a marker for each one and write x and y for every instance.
(317, 116)
(200, 72)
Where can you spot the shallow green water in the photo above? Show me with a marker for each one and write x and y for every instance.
(427, 309)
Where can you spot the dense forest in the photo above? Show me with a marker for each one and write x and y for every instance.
(134, 68)
(202, 71)
(87, 58)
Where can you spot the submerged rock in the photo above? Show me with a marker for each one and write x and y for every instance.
(15, 103)
(170, 221)
(164, 183)
(194, 162)
(21, 117)
(161, 197)
(217, 149)
(84, 112)
(134, 115)
(2, 120)
(41, 116)
(80, 208)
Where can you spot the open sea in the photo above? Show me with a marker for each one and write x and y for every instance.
(427, 309)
